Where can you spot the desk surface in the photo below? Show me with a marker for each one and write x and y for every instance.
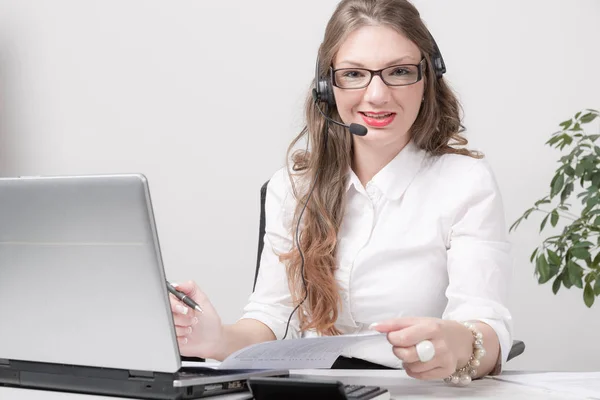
(396, 381)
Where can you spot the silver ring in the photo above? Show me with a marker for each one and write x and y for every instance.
(425, 350)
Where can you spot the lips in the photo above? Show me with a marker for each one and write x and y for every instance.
(378, 119)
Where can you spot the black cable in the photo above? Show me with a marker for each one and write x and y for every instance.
(314, 183)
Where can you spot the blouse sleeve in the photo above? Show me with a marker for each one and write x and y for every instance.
(479, 261)
(271, 301)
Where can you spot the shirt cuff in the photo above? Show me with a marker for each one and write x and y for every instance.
(504, 340)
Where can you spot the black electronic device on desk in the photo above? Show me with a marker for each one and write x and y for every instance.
(295, 389)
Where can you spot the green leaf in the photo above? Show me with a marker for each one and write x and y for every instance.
(588, 295)
(555, 139)
(534, 253)
(554, 218)
(566, 192)
(566, 159)
(583, 244)
(589, 278)
(553, 258)
(593, 138)
(596, 179)
(576, 127)
(597, 287)
(543, 224)
(532, 209)
(542, 201)
(596, 261)
(566, 124)
(585, 145)
(593, 201)
(577, 115)
(589, 117)
(515, 224)
(565, 279)
(543, 269)
(575, 274)
(557, 184)
(589, 162)
(579, 169)
(556, 284)
(567, 140)
(569, 171)
(580, 252)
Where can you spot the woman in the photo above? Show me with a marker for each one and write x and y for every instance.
(403, 232)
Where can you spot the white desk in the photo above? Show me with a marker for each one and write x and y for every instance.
(397, 382)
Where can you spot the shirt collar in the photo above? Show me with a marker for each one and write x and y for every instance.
(396, 176)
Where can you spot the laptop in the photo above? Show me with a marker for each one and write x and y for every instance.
(83, 300)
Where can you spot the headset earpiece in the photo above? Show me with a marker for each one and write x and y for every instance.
(439, 67)
(324, 87)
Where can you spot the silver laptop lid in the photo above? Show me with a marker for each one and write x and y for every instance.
(81, 276)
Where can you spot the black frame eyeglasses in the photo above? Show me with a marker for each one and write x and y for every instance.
(414, 75)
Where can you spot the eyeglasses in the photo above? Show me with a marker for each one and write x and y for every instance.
(395, 75)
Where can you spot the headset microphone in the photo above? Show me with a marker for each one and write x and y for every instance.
(355, 129)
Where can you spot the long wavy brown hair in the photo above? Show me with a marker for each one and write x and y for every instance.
(437, 130)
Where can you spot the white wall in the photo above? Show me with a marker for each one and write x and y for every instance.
(147, 86)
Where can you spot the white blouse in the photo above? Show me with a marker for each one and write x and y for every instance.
(426, 237)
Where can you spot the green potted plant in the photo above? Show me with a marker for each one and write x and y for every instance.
(571, 258)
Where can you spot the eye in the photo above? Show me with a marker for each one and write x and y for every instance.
(400, 71)
(353, 74)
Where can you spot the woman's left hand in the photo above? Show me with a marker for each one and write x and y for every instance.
(452, 345)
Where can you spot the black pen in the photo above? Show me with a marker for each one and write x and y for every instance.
(189, 302)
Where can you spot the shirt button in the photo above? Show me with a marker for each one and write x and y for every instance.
(372, 191)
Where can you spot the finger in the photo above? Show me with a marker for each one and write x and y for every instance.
(406, 354)
(183, 331)
(182, 341)
(190, 289)
(178, 307)
(184, 320)
(410, 336)
(436, 373)
(395, 324)
(420, 367)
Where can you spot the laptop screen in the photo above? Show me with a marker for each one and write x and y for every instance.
(81, 276)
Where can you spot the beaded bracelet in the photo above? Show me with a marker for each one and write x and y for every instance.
(464, 375)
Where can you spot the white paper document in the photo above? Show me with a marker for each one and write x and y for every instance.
(314, 352)
(585, 384)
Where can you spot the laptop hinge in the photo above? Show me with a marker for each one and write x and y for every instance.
(141, 374)
(4, 362)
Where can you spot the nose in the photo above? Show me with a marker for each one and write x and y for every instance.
(378, 93)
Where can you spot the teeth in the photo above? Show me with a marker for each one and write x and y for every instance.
(378, 116)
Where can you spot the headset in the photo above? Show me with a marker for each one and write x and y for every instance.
(323, 93)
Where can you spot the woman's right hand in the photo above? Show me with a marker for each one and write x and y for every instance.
(199, 334)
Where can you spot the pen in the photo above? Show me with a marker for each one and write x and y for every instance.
(189, 302)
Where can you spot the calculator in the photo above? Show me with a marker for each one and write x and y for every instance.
(312, 389)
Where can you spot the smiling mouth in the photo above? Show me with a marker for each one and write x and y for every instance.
(379, 116)
(378, 119)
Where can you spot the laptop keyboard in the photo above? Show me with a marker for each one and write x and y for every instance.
(359, 392)
(352, 392)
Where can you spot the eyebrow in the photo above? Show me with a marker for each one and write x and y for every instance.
(394, 62)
